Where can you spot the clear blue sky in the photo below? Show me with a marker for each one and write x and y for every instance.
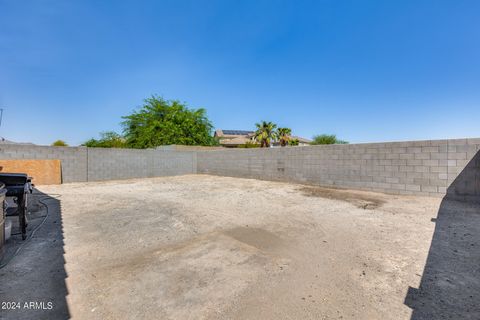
(365, 70)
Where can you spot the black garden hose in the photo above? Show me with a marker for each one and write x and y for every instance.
(5, 263)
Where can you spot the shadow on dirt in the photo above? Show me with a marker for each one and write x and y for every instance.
(32, 284)
(450, 284)
(358, 199)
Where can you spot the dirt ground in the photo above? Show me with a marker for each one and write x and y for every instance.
(206, 247)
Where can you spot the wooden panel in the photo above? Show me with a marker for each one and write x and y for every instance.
(42, 171)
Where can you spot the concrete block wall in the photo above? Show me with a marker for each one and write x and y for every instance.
(464, 169)
(80, 164)
(117, 164)
(432, 167)
(73, 159)
(412, 167)
(171, 163)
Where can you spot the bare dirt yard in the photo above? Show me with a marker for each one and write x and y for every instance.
(206, 247)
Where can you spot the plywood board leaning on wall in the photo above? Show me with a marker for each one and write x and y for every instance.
(42, 171)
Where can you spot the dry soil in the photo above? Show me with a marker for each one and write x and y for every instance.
(205, 247)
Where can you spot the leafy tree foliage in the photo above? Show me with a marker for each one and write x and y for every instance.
(284, 136)
(164, 122)
(327, 139)
(266, 133)
(108, 139)
(60, 143)
(293, 142)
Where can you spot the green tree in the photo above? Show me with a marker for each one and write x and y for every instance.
(161, 122)
(284, 136)
(60, 143)
(327, 139)
(293, 142)
(266, 133)
(108, 139)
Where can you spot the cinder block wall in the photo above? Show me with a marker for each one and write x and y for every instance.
(80, 164)
(74, 159)
(171, 163)
(433, 167)
(430, 167)
(116, 164)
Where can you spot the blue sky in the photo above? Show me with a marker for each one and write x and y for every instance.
(365, 70)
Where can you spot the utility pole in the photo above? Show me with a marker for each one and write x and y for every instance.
(1, 117)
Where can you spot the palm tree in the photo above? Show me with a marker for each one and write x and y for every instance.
(294, 142)
(265, 133)
(284, 135)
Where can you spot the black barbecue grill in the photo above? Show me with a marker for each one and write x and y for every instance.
(18, 186)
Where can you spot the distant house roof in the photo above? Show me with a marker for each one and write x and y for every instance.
(231, 138)
(237, 132)
(232, 133)
(5, 141)
(301, 140)
(235, 141)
